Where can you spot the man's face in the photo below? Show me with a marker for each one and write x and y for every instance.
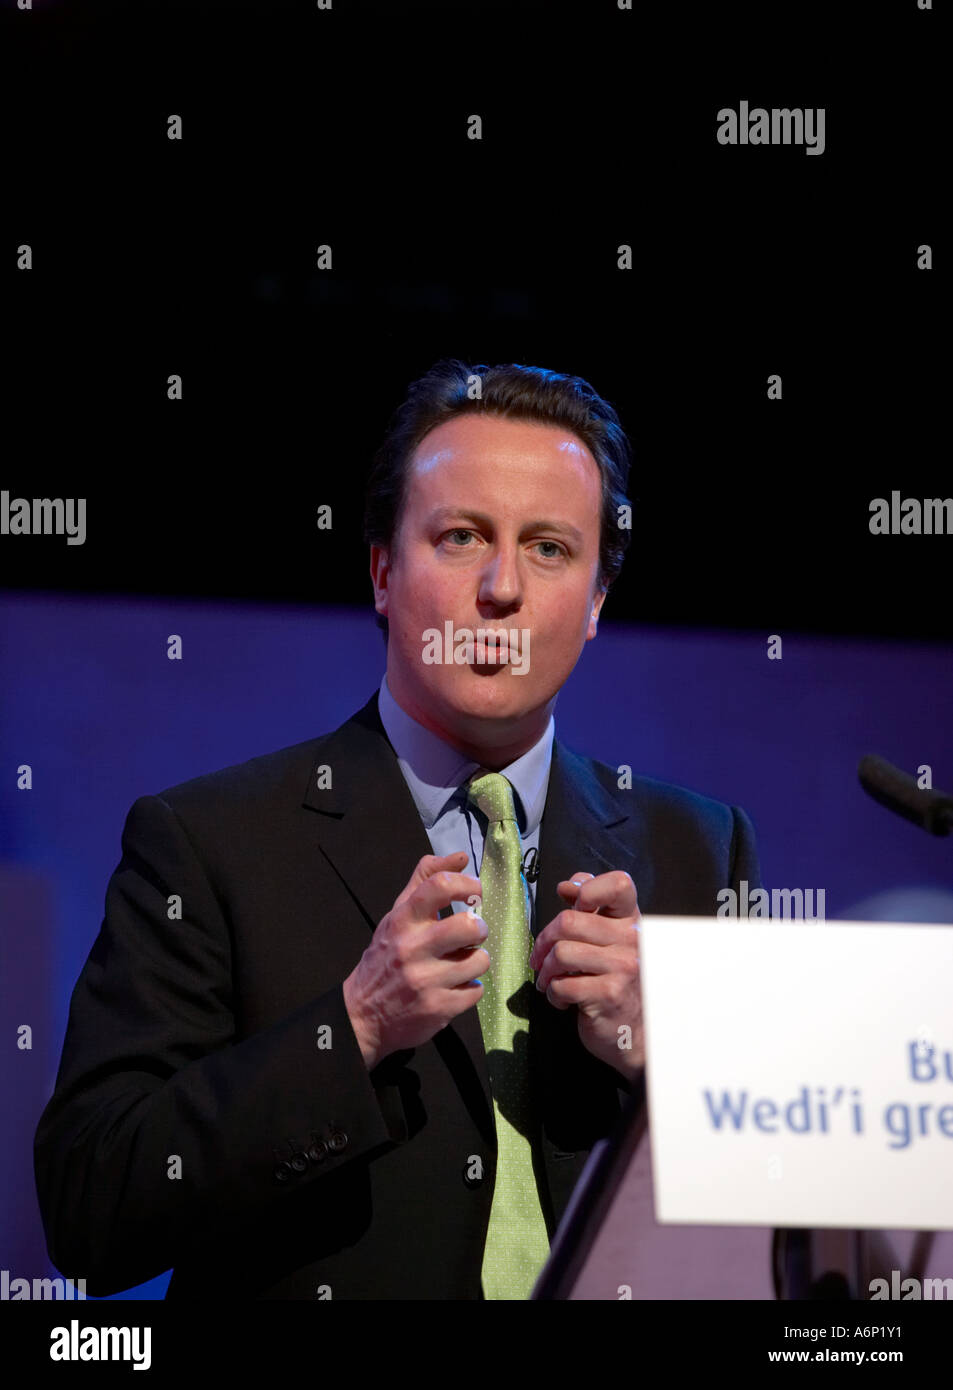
(500, 529)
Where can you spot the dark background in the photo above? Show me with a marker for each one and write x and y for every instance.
(348, 127)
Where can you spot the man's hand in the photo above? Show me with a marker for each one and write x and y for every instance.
(420, 971)
(589, 956)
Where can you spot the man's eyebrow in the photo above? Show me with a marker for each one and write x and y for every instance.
(443, 514)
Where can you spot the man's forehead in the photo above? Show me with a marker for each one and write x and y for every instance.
(468, 439)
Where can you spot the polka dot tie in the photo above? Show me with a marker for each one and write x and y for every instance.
(517, 1245)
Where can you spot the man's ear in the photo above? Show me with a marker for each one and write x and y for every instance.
(380, 569)
(597, 603)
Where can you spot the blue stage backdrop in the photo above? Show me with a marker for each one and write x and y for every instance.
(92, 704)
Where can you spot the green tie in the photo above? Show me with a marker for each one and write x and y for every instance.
(517, 1245)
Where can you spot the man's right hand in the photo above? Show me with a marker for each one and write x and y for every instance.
(419, 971)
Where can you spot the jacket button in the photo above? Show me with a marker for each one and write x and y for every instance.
(318, 1151)
(337, 1141)
(283, 1172)
(299, 1162)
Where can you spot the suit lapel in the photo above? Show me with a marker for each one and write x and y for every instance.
(370, 828)
(580, 831)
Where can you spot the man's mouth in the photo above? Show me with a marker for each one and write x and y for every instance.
(484, 650)
(493, 649)
(488, 657)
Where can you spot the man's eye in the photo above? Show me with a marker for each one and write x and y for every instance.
(463, 531)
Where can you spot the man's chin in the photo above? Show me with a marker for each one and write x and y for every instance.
(491, 692)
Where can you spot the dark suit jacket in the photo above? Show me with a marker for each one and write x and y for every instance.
(197, 1038)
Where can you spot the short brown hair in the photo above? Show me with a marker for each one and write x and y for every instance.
(517, 392)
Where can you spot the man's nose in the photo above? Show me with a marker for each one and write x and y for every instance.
(500, 582)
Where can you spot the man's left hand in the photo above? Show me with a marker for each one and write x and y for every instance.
(589, 956)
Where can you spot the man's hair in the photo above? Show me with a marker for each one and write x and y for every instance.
(514, 392)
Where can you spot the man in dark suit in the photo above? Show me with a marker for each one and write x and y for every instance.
(274, 1077)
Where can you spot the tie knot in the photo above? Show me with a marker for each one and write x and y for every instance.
(493, 794)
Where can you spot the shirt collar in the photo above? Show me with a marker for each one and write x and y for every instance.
(434, 770)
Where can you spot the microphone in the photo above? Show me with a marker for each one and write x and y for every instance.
(927, 807)
(531, 865)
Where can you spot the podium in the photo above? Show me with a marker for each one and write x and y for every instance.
(610, 1245)
(762, 1159)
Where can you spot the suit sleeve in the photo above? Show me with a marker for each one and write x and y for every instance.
(745, 864)
(153, 1081)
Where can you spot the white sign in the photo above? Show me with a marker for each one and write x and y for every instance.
(800, 1073)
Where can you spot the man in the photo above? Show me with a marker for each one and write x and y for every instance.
(305, 1058)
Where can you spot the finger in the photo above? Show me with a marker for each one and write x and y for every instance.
(572, 926)
(559, 1003)
(577, 958)
(566, 991)
(612, 894)
(429, 865)
(463, 952)
(439, 891)
(454, 973)
(568, 888)
(460, 932)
